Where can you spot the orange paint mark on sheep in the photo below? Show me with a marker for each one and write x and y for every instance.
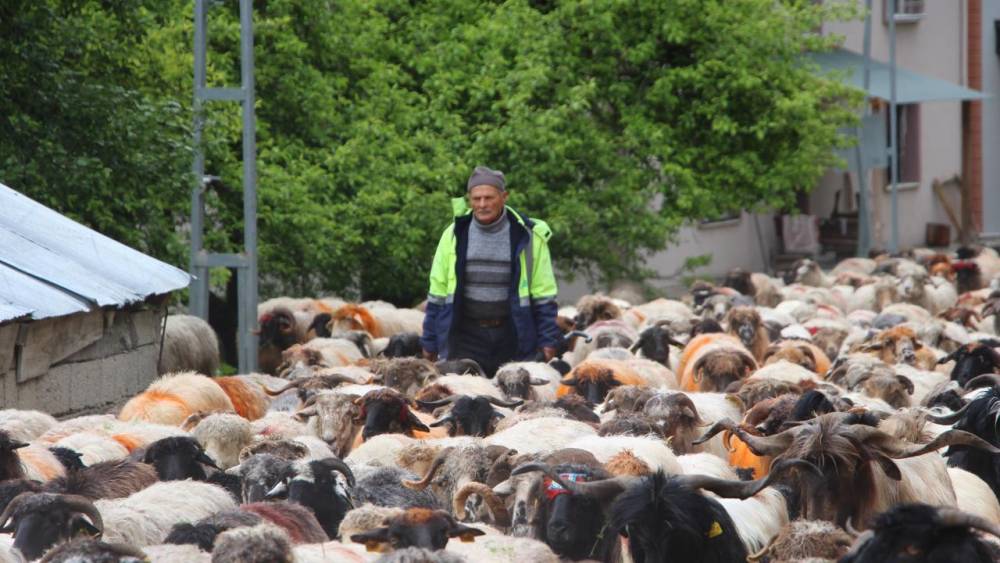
(360, 318)
(742, 457)
(129, 442)
(247, 400)
(149, 404)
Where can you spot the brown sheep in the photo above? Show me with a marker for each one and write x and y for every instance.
(798, 352)
(900, 344)
(752, 391)
(405, 375)
(624, 463)
(803, 539)
(717, 369)
(627, 399)
(593, 308)
(745, 323)
(631, 424)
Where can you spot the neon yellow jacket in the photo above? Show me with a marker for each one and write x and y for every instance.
(532, 295)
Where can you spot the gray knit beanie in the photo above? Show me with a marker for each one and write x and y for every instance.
(483, 176)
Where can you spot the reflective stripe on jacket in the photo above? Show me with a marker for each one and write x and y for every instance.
(533, 284)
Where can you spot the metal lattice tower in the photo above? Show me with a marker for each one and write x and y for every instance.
(245, 262)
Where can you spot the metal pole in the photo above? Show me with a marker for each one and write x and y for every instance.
(248, 285)
(893, 145)
(864, 225)
(198, 298)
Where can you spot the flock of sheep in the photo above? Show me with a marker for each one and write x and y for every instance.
(849, 415)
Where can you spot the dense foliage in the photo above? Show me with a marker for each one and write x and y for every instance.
(614, 121)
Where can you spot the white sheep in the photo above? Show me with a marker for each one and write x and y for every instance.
(145, 518)
(94, 448)
(540, 434)
(189, 344)
(650, 449)
(26, 425)
(223, 436)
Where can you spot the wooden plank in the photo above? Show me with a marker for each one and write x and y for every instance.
(939, 192)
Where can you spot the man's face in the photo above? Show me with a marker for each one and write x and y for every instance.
(487, 203)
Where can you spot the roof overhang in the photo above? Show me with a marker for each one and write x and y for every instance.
(911, 87)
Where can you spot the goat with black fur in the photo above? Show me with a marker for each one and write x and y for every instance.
(920, 532)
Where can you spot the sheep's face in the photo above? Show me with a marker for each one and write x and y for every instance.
(178, 458)
(333, 418)
(974, 359)
(40, 520)
(745, 322)
(612, 339)
(676, 417)
(892, 389)
(386, 412)
(592, 383)
(627, 399)
(418, 527)
(716, 370)
(515, 384)
(259, 474)
(967, 275)
(912, 288)
(795, 354)
(277, 329)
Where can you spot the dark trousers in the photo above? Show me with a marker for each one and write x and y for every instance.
(489, 346)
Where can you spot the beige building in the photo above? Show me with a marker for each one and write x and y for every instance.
(946, 52)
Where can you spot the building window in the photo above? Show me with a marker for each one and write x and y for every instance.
(725, 220)
(908, 141)
(907, 11)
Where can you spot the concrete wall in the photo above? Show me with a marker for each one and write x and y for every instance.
(79, 363)
(991, 120)
(732, 244)
(933, 46)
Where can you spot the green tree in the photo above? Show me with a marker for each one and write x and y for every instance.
(614, 121)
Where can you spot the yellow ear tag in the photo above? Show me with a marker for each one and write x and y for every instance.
(715, 530)
(468, 538)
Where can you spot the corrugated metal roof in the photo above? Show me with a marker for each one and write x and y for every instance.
(51, 265)
(911, 87)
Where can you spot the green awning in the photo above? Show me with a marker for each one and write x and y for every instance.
(910, 86)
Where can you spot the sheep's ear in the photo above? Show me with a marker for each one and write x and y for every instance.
(504, 488)
(771, 350)
(906, 383)
(415, 423)
(871, 346)
(82, 524)
(571, 382)
(888, 466)
(466, 533)
(304, 414)
(374, 540)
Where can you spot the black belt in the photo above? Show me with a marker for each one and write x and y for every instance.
(488, 323)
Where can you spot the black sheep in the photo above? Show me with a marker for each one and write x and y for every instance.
(178, 457)
(918, 532)
(979, 417)
(975, 358)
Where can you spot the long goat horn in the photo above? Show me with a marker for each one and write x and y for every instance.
(949, 419)
(956, 518)
(985, 380)
(439, 403)
(84, 506)
(501, 517)
(603, 490)
(435, 465)
(292, 385)
(501, 403)
(728, 488)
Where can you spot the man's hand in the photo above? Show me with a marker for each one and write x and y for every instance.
(549, 353)
(429, 356)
